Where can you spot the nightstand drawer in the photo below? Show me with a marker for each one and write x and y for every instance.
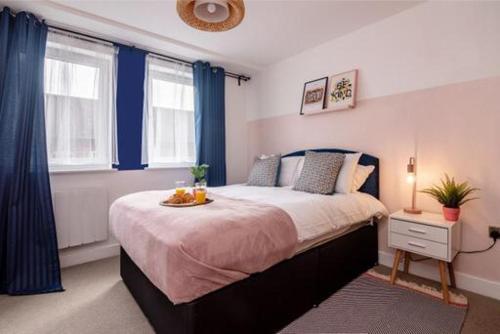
(419, 246)
(420, 231)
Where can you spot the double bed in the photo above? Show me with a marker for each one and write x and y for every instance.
(201, 272)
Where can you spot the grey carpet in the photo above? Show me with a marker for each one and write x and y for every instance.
(368, 305)
(97, 302)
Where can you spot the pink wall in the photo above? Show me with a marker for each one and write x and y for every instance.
(452, 128)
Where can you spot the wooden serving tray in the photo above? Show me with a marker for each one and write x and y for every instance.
(186, 205)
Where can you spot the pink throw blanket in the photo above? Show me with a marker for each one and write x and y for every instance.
(189, 252)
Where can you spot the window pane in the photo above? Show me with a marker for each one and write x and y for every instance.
(172, 95)
(71, 128)
(170, 126)
(174, 135)
(69, 79)
(79, 102)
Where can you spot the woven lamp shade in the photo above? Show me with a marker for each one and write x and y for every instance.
(185, 9)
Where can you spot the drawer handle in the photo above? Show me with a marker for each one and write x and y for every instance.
(416, 244)
(416, 230)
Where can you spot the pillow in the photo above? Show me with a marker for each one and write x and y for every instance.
(320, 172)
(300, 166)
(346, 174)
(265, 172)
(288, 169)
(360, 176)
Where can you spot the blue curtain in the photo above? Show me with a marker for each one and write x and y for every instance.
(129, 105)
(209, 111)
(29, 260)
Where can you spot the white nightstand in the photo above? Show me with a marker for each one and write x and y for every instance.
(427, 234)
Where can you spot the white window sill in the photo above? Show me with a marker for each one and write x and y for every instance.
(86, 169)
(179, 165)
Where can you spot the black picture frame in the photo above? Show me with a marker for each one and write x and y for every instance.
(325, 88)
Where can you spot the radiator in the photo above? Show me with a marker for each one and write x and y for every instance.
(81, 216)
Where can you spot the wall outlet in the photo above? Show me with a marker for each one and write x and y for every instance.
(494, 232)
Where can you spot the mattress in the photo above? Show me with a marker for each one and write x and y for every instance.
(323, 239)
(190, 252)
(317, 218)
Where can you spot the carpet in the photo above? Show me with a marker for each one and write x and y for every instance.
(372, 305)
(97, 302)
(457, 299)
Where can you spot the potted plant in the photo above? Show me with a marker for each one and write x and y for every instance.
(452, 195)
(199, 173)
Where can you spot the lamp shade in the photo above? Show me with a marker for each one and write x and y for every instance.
(211, 15)
(212, 11)
(411, 177)
(410, 169)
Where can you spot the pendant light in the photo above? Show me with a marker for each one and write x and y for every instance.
(211, 15)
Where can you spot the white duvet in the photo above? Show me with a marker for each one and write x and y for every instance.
(314, 215)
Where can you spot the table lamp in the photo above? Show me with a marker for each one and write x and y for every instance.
(411, 178)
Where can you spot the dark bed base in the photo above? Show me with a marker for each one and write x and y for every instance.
(264, 302)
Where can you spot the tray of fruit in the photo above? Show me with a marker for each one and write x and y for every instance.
(182, 201)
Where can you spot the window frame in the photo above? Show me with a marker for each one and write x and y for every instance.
(153, 72)
(106, 62)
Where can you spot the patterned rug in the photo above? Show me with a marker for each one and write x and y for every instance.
(369, 304)
(455, 298)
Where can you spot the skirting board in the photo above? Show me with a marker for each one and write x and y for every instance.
(464, 281)
(88, 253)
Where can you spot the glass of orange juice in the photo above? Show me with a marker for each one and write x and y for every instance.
(200, 193)
(201, 196)
(180, 188)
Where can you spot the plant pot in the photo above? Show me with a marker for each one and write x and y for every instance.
(451, 214)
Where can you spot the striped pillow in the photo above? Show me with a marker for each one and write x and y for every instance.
(320, 172)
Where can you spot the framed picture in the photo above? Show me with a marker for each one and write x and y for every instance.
(342, 91)
(313, 96)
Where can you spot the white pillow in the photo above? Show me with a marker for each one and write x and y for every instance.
(346, 174)
(300, 166)
(360, 176)
(288, 170)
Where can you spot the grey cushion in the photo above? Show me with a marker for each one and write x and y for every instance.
(320, 172)
(265, 172)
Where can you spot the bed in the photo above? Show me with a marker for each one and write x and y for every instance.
(336, 242)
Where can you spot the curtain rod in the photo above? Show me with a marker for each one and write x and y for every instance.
(239, 77)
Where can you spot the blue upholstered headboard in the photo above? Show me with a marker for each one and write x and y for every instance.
(371, 185)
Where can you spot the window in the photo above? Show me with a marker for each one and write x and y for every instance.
(80, 79)
(168, 126)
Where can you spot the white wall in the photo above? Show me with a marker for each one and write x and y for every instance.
(120, 183)
(429, 45)
(236, 129)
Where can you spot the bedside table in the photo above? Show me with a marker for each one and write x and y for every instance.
(429, 235)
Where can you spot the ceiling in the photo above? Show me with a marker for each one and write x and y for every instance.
(271, 30)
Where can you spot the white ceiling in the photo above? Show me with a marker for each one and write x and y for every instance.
(270, 31)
